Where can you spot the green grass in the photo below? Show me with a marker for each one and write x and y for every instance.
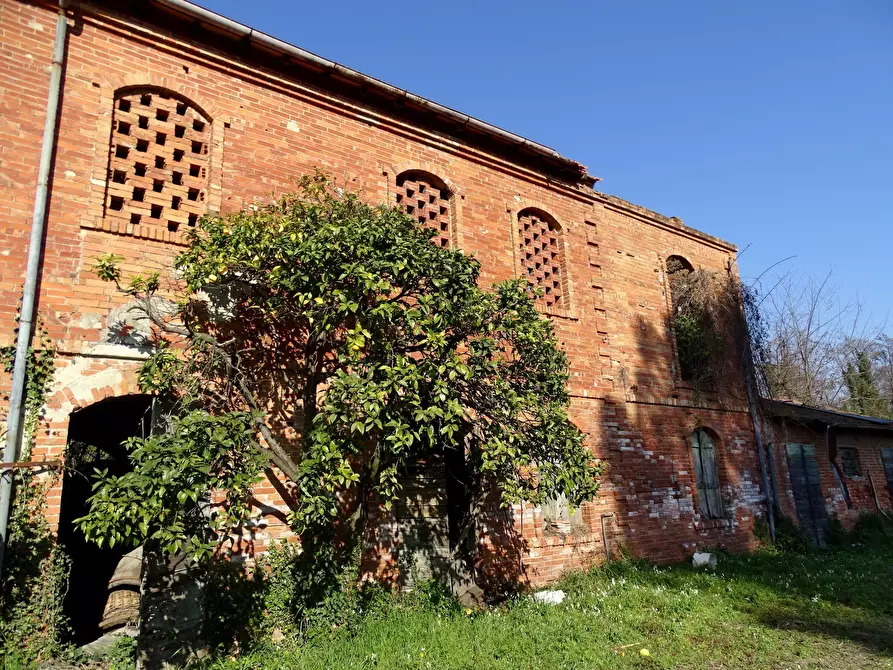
(831, 609)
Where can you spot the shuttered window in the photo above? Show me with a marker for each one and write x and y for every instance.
(704, 455)
(887, 458)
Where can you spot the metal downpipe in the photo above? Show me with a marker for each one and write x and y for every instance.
(32, 274)
(753, 407)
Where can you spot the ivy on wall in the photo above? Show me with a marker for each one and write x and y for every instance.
(35, 577)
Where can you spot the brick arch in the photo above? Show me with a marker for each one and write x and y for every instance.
(426, 175)
(77, 384)
(519, 204)
(80, 382)
(111, 84)
(435, 170)
(709, 430)
(675, 262)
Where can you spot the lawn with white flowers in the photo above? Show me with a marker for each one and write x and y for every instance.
(831, 609)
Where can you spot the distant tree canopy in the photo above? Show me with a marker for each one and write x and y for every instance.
(332, 340)
(864, 396)
(823, 351)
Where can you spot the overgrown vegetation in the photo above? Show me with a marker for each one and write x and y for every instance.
(332, 340)
(295, 597)
(820, 349)
(35, 576)
(711, 314)
(771, 609)
(789, 537)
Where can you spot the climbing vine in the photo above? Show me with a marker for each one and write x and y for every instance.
(711, 319)
(39, 376)
(35, 577)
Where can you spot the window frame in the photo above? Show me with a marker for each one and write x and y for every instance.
(559, 517)
(850, 463)
(709, 491)
(680, 379)
(516, 211)
(110, 92)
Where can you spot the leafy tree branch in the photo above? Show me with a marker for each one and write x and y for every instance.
(333, 340)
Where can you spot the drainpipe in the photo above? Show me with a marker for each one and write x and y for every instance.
(758, 434)
(609, 515)
(773, 477)
(29, 293)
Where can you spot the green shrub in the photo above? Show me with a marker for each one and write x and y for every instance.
(873, 528)
(295, 592)
(838, 536)
(233, 605)
(761, 531)
(123, 654)
(791, 537)
(435, 597)
(869, 528)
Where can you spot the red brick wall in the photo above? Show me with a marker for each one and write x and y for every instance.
(868, 445)
(268, 130)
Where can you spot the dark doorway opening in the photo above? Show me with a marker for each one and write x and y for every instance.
(95, 437)
(432, 509)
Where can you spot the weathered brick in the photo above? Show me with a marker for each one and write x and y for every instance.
(264, 129)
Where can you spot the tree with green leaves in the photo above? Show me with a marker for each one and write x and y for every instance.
(333, 341)
(864, 396)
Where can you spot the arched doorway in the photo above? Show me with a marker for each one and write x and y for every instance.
(95, 437)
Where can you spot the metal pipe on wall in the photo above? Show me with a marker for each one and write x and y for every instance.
(753, 407)
(607, 547)
(32, 274)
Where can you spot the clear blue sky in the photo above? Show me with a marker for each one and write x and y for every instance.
(768, 123)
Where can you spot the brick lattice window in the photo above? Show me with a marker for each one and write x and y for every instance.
(158, 161)
(539, 240)
(427, 199)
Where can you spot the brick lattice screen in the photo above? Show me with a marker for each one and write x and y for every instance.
(541, 256)
(158, 162)
(427, 202)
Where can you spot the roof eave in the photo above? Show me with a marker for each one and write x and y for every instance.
(221, 24)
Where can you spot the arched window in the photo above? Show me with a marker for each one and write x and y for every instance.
(678, 266)
(678, 269)
(706, 474)
(427, 199)
(539, 242)
(158, 160)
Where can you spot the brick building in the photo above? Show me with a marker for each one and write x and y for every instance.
(169, 111)
(828, 464)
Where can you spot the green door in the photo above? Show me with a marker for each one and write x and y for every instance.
(807, 487)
